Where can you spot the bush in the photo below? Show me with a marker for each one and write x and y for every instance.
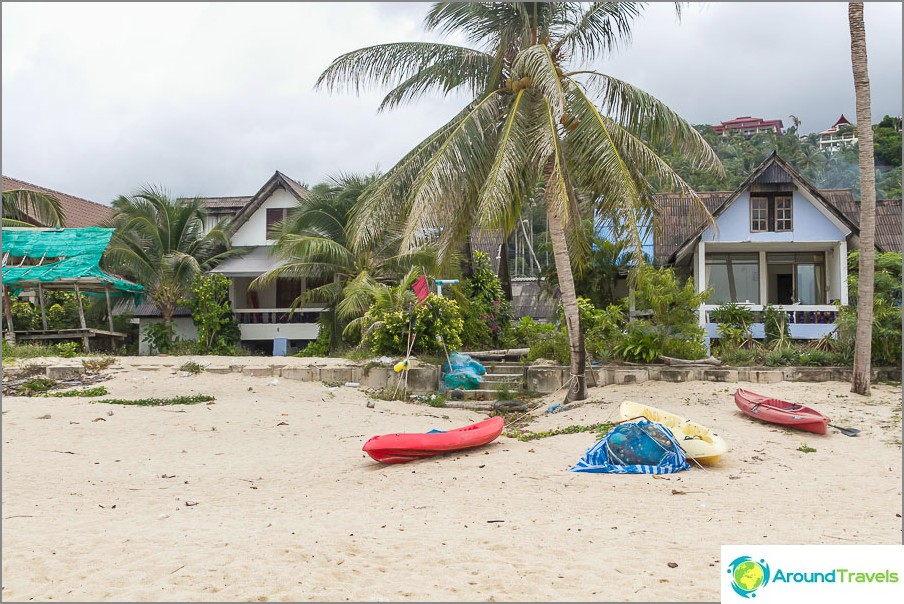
(431, 320)
(604, 331)
(782, 357)
(543, 340)
(485, 311)
(319, 347)
(734, 325)
(642, 343)
(211, 312)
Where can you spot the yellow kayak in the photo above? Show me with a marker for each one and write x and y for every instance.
(699, 442)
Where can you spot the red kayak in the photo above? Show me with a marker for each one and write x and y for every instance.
(400, 448)
(781, 412)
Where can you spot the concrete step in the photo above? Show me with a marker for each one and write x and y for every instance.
(496, 378)
(482, 394)
(509, 369)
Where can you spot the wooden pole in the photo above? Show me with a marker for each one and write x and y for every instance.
(81, 318)
(10, 329)
(109, 306)
(41, 301)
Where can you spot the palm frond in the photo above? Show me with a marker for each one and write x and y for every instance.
(412, 68)
(598, 29)
(537, 63)
(25, 207)
(652, 120)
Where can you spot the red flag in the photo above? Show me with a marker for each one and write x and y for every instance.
(421, 289)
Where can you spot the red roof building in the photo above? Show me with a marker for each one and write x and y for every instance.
(748, 126)
(77, 212)
(840, 134)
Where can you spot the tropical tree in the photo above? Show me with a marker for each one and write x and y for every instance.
(160, 243)
(314, 242)
(24, 207)
(862, 348)
(537, 121)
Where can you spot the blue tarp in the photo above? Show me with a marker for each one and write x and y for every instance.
(462, 372)
(641, 447)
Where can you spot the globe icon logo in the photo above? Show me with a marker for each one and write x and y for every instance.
(748, 575)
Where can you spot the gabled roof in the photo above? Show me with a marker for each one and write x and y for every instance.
(278, 180)
(218, 205)
(77, 212)
(773, 170)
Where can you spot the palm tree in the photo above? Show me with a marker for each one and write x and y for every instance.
(24, 207)
(160, 242)
(314, 242)
(863, 346)
(584, 138)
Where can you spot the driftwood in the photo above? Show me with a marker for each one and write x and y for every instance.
(673, 361)
(509, 352)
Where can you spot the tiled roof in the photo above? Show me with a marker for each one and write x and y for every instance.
(225, 203)
(681, 217)
(888, 217)
(77, 212)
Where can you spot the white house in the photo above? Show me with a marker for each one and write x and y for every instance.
(264, 315)
(775, 240)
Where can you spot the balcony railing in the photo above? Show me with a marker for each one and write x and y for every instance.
(821, 314)
(275, 316)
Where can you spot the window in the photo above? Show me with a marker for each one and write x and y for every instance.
(771, 213)
(796, 278)
(759, 210)
(733, 277)
(274, 215)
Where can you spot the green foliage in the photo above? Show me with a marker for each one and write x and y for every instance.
(35, 386)
(158, 402)
(85, 392)
(68, 349)
(838, 169)
(642, 343)
(775, 324)
(734, 325)
(816, 358)
(886, 337)
(601, 429)
(686, 347)
(192, 367)
(804, 448)
(211, 312)
(672, 303)
(434, 318)
(604, 329)
(159, 336)
(543, 340)
(485, 311)
(319, 347)
(783, 357)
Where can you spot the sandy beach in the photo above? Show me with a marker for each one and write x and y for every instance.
(265, 495)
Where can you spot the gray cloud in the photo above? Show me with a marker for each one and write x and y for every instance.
(210, 99)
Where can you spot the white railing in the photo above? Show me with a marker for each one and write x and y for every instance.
(811, 314)
(275, 316)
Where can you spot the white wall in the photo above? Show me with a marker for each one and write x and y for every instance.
(183, 328)
(809, 224)
(254, 231)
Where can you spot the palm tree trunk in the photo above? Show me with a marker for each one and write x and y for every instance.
(863, 346)
(577, 390)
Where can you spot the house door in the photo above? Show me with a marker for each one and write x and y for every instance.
(286, 292)
(784, 288)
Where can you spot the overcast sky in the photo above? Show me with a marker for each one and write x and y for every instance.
(211, 98)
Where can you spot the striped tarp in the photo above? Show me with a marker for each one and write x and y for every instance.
(628, 442)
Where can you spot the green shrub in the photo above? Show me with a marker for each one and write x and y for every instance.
(734, 324)
(159, 336)
(319, 347)
(211, 312)
(434, 318)
(816, 358)
(605, 331)
(684, 346)
(543, 340)
(487, 314)
(642, 343)
(782, 357)
(67, 349)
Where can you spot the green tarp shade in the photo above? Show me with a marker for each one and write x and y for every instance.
(74, 253)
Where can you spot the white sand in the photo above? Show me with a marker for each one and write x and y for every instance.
(298, 512)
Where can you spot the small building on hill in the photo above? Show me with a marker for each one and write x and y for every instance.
(842, 133)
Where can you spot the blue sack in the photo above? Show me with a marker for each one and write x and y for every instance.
(641, 447)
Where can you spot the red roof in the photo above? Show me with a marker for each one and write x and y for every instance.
(77, 212)
(739, 123)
